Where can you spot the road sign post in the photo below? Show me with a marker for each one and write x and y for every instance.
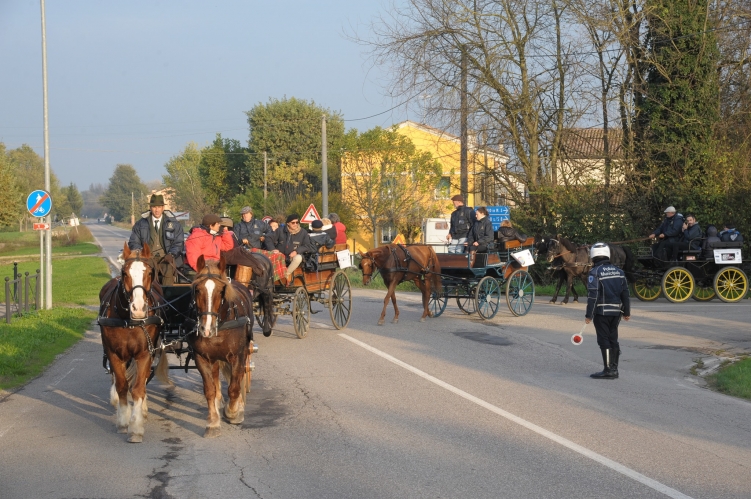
(39, 204)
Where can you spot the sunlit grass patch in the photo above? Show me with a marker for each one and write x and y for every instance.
(733, 379)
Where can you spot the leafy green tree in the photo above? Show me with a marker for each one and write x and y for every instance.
(29, 169)
(289, 131)
(679, 109)
(124, 184)
(73, 198)
(386, 180)
(11, 202)
(212, 169)
(184, 178)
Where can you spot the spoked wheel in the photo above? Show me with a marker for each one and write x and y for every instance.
(703, 291)
(646, 289)
(730, 284)
(437, 302)
(488, 297)
(520, 292)
(340, 300)
(301, 312)
(677, 284)
(466, 303)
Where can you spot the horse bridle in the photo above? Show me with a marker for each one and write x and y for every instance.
(372, 266)
(200, 279)
(148, 293)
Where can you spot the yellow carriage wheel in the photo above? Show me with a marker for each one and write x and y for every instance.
(730, 284)
(703, 292)
(677, 284)
(646, 290)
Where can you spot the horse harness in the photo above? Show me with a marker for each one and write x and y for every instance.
(238, 321)
(570, 264)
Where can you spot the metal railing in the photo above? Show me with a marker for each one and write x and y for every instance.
(21, 302)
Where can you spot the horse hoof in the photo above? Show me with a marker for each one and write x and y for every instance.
(552, 301)
(380, 323)
(211, 432)
(395, 321)
(135, 439)
(422, 319)
(122, 429)
(239, 418)
(267, 333)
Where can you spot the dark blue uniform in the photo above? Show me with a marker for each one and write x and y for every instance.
(607, 299)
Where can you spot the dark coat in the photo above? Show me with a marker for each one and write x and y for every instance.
(510, 234)
(711, 238)
(173, 239)
(672, 228)
(462, 220)
(692, 235)
(731, 235)
(253, 231)
(482, 232)
(287, 243)
(607, 291)
(321, 239)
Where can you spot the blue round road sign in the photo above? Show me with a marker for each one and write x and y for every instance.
(39, 203)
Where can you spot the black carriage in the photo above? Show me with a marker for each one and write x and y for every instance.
(701, 274)
(478, 283)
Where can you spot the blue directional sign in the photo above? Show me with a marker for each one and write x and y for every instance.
(39, 203)
(497, 215)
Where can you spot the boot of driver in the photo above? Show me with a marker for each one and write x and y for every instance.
(605, 373)
(615, 354)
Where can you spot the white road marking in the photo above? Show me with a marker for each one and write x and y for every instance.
(645, 480)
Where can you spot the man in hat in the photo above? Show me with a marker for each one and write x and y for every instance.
(292, 241)
(163, 233)
(670, 230)
(318, 236)
(462, 220)
(251, 232)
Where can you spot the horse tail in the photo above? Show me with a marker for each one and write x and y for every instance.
(628, 266)
(161, 372)
(435, 271)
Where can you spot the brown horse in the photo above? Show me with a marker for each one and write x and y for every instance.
(130, 330)
(223, 338)
(398, 263)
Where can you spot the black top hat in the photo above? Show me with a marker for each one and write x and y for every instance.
(156, 200)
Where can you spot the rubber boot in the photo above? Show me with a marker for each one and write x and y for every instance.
(605, 373)
(615, 354)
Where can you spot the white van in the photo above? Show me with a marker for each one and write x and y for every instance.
(434, 232)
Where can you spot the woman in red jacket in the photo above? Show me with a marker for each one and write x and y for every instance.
(208, 239)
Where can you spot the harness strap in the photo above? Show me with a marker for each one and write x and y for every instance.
(117, 322)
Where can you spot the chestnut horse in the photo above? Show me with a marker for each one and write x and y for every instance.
(131, 330)
(223, 338)
(398, 263)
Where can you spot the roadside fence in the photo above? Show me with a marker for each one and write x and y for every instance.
(21, 293)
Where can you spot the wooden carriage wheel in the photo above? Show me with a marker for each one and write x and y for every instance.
(301, 312)
(520, 292)
(487, 297)
(437, 302)
(646, 289)
(340, 299)
(731, 284)
(677, 284)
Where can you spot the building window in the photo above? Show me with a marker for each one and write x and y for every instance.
(388, 233)
(443, 191)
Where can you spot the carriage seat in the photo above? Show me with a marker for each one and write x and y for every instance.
(514, 243)
(729, 244)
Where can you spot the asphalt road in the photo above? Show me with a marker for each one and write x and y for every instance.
(453, 407)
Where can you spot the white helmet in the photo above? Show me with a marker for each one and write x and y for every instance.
(599, 249)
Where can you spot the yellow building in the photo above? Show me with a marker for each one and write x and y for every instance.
(483, 165)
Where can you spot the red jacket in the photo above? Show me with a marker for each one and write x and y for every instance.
(341, 235)
(201, 242)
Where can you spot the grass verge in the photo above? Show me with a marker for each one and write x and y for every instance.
(30, 343)
(355, 278)
(733, 379)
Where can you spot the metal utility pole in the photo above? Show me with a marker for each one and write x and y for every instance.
(325, 167)
(265, 185)
(48, 262)
(463, 167)
(132, 212)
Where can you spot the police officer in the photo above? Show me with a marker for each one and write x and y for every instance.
(163, 233)
(607, 299)
(462, 220)
(251, 232)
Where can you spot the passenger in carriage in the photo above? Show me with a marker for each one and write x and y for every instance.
(341, 229)
(250, 231)
(669, 231)
(319, 237)
(690, 239)
(462, 220)
(711, 238)
(292, 241)
(506, 232)
(330, 229)
(729, 234)
(481, 233)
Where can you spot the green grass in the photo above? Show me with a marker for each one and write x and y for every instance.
(733, 379)
(548, 290)
(355, 278)
(29, 344)
(73, 249)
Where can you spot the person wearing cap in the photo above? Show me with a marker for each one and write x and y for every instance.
(292, 241)
(607, 300)
(462, 220)
(164, 234)
(250, 231)
(318, 236)
(328, 228)
(670, 230)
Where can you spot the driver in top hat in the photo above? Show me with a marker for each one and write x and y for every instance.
(163, 233)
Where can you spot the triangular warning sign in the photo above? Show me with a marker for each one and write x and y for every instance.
(311, 215)
(399, 239)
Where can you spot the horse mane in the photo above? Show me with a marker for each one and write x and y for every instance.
(567, 244)
(212, 267)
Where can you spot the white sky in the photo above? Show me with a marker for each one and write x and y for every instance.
(134, 81)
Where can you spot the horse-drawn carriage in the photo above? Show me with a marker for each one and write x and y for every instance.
(700, 274)
(477, 280)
